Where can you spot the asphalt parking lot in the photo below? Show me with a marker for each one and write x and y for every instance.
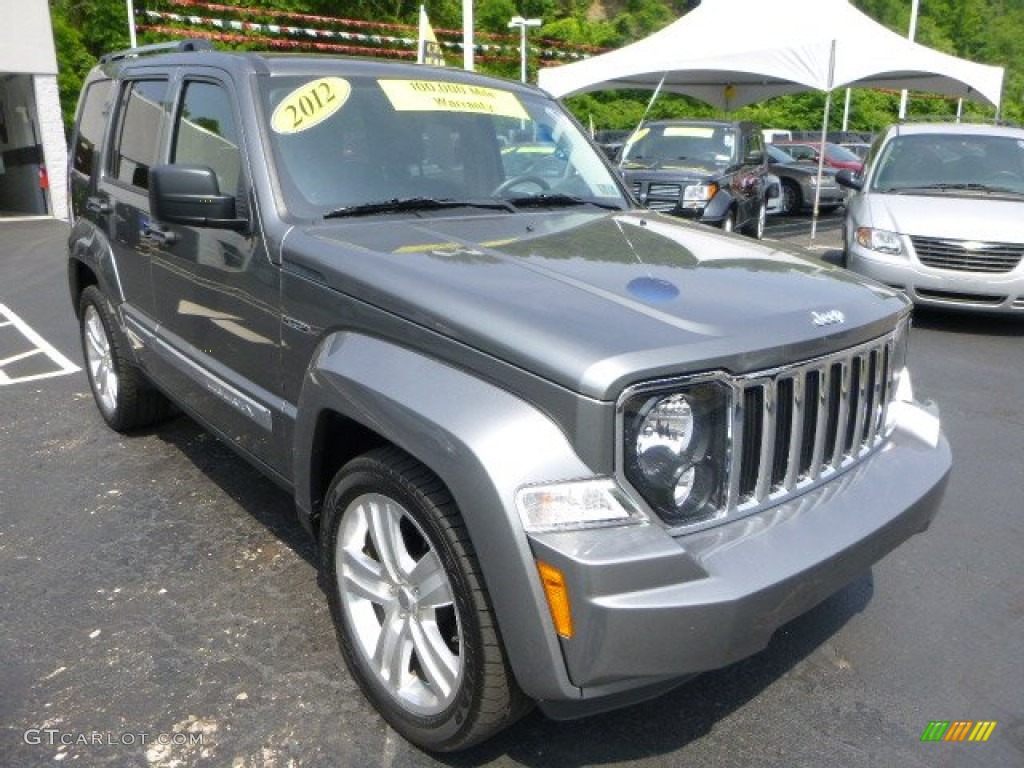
(160, 604)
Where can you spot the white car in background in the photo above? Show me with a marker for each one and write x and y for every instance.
(939, 213)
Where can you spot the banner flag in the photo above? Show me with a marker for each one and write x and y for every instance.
(428, 51)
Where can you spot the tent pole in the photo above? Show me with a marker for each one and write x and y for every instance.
(824, 136)
(846, 112)
(910, 36)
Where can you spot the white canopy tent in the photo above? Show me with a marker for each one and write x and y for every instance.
(730, 53)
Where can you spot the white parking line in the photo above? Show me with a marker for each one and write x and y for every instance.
(11, 323)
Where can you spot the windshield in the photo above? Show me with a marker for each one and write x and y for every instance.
(681, 146)
(836, 152)
(777, 155)
(357, 143)
(955, 161)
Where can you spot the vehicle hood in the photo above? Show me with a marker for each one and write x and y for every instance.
(802, 169)
(987, 218)
(595, 302)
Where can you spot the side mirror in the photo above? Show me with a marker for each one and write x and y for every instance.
(850, 180)
(190, 195)
(754, 158)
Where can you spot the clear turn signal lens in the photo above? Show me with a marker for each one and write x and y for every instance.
(577, 504)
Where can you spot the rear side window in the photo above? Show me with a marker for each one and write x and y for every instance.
(137, 132)
(91, 122)
(205, 133)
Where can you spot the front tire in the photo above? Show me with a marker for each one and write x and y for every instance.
(792, 200)
(412, 615)
(124, 398)
(756, 228)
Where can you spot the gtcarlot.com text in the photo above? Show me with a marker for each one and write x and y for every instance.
(55, 737)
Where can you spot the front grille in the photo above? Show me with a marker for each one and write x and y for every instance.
(968, 256)
(663, 197)
(800, 424)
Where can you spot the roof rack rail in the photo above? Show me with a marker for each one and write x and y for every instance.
(196, 44)
(966, 119)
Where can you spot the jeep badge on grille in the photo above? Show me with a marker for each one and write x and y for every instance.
(832, 317)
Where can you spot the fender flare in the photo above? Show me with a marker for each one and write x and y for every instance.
(719, 205)
(88, 245)
(482, 442)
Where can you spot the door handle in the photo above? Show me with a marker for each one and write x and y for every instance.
(158, 236)
(97, 205)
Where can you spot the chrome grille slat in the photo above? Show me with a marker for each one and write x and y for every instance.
(736, 454)
(824, 387)
(856, 436)
(768, 439)
(796, 432)
(842, 414)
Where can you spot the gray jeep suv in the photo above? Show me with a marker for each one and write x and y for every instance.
(553, 447)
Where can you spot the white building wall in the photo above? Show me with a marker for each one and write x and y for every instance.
(27, 48)
(51, 130)
(26, 39)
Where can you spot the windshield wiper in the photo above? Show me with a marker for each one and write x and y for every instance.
(558, 200)
(951, 186)
(974, 186)
(414, 204)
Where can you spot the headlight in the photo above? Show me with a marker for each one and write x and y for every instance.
(674, 452)
(699, 193)
(879, 240)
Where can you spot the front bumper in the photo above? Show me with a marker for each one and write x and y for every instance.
(947, 289)
(650, 609)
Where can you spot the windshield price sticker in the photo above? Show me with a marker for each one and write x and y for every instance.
(689, 130)
(438, 96)
(310, 104)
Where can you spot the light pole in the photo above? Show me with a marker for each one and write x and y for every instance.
(519, 21)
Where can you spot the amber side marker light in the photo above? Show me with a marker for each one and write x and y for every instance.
(558, 598)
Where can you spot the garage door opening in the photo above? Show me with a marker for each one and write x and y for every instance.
(24, 181)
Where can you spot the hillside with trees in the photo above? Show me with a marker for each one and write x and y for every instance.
(987, 31)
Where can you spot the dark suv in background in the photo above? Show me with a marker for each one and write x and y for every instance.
(711, 171)
(553, 447)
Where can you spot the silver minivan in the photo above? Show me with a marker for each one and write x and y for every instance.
(938, 212)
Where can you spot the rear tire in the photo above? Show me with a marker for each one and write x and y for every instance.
(125, 399)
(411, 612)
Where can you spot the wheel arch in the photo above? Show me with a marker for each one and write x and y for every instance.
(482, 442)
(91, 262)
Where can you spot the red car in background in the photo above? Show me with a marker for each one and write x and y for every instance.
(835, 155)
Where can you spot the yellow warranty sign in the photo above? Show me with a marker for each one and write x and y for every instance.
(310, 104)
(440, 96)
